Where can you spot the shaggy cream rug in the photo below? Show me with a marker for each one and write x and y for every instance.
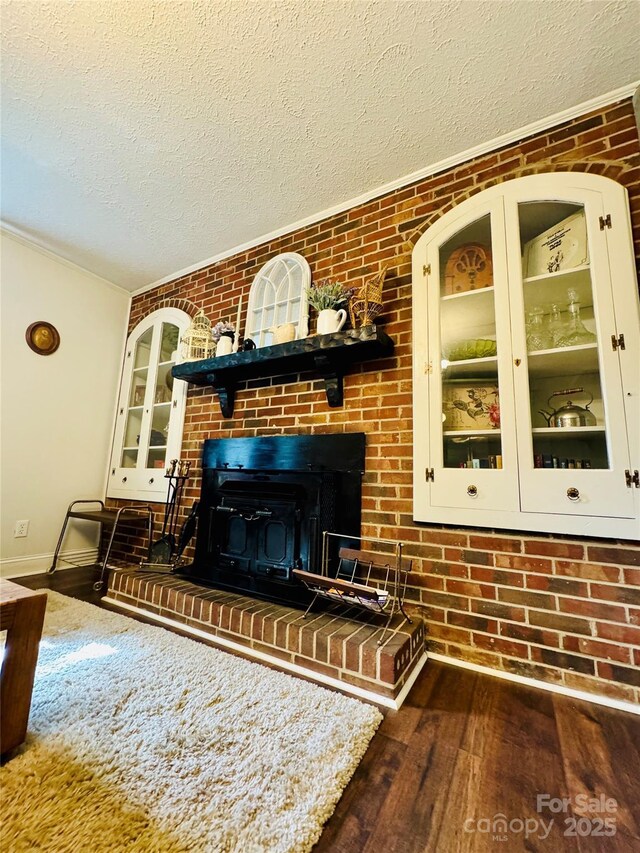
(141, 740)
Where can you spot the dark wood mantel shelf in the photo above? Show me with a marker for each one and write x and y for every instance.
(329, 355)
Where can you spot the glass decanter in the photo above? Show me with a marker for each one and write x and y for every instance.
(537, 334)
(574, 332)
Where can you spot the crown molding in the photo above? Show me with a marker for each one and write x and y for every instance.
(521, 133)
(40, 246)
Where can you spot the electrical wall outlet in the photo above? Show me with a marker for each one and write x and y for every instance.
(21, 528)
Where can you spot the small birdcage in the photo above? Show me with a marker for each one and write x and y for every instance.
(366, 303)
(197, 342)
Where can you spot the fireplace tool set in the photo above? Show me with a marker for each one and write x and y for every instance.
(166, 552)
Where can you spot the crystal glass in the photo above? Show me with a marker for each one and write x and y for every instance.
(538, 335)
(574, 332)
(555, 324)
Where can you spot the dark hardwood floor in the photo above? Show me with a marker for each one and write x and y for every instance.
(466, 750)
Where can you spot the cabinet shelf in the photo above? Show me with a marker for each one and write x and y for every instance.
(329, 355)
(471, 314)
(574, 360)
(553, 286)
(467, 294)
(479, 368)
(550, 276)
(568, 432)
(471, 433)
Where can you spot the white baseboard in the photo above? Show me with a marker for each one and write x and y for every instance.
(596, 698)
(278, 663)
(19, 567)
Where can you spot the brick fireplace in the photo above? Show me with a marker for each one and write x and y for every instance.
(563, 610)
(264, 505)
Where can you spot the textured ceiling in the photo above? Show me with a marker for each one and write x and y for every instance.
(141, 137)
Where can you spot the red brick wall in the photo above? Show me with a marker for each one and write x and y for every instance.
(557, 609)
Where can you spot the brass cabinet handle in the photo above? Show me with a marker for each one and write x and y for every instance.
(472, 491)
(573, 494)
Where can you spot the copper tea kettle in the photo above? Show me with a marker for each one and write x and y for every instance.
(569, 415)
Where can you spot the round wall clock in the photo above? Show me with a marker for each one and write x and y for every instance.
(42, 337)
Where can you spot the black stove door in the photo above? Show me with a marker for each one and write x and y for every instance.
(252, 539)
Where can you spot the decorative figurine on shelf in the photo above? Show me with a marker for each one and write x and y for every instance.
(327, 297)
(196, 341)
(223, 333)
(366, 303)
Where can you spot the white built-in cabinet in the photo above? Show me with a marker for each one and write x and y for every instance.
(526, 335)
(150, 415)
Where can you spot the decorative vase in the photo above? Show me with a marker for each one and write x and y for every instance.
(225, 344)
(330, 320)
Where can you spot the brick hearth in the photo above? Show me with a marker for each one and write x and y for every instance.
(341, 649)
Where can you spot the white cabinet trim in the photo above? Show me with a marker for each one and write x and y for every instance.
(520, 496)
(139, 483)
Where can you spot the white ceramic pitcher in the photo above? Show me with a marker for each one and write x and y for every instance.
(330, 320)
(224, 345)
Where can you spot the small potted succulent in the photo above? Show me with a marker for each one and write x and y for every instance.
(223, 333)
(328, 297)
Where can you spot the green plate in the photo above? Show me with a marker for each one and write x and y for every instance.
(476, 348)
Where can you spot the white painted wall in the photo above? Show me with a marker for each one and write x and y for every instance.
(57, 411)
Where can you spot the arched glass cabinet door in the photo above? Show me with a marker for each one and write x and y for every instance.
(573, 443)
(473, 459)
(279, 295)
(150, 417)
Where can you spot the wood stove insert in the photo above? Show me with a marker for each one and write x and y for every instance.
(264, 504)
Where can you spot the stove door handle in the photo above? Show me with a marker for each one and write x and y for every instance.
(257, 514)
(247, 515)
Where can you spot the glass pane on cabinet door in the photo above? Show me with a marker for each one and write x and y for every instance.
(143, 350)
(168, 342)
(565, 390)
(161, 410)
(470, 392)
(159, 433)
(137, 394)
(131, 437)
(168, 352)
(140, 369)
